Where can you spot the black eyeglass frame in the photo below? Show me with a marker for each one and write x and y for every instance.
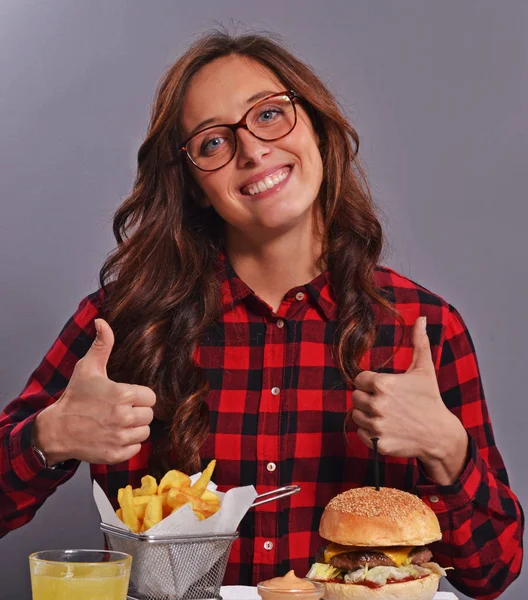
(242, 124)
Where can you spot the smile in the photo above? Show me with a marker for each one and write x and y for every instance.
(267, 183)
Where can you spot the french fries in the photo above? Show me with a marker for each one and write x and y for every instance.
(148, 486)
(198, 488)
(143, 507)
(173, 479)
(153, 512)
(129, 514)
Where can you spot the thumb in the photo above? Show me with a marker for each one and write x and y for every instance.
(97, 356)
(422, 358)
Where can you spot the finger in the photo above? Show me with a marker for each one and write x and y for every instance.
(143, 415)
(136, 435)
(97, 356)
(364, 421)
(365, 381)
(128, 452)
(363, 400)
(143, 396)
(365, 435)
(422, 358)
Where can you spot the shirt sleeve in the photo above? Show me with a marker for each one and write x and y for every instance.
(480, 517)
(24, 483)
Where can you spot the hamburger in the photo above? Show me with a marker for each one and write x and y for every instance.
(377, 547)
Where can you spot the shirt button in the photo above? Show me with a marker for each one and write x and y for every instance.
(271, 467)
(434, 499)
(299, 295)
(280, 323)
(275, 391)
(268, 545)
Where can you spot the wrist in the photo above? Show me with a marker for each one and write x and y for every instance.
(44, 437)
(445, 460)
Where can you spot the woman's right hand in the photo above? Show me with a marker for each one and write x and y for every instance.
(95, 420)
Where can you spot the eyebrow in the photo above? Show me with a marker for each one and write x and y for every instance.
(250, 100)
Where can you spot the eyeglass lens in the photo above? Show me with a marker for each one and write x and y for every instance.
(267, 120)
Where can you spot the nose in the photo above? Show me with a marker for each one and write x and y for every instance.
(250, 150)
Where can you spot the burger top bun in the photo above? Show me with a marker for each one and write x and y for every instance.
(388, 517)
(418, 589)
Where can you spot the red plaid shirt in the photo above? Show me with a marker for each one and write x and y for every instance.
(277, 402)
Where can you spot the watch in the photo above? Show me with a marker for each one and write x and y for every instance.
(43, 460)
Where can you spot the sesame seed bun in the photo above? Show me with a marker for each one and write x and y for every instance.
(418, 589)
(388, 517)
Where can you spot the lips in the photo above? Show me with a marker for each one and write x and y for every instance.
(266, 180)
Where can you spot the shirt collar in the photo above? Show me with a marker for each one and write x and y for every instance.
(234, 290)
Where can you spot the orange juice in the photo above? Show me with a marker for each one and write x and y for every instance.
(68, 580)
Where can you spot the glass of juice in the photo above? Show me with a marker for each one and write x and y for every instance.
(79, 575)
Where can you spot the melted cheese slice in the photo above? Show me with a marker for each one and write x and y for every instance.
(398, 554)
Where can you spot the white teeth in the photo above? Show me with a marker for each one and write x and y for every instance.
(268, 182)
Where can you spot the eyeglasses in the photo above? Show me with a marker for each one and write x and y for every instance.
(270, 119)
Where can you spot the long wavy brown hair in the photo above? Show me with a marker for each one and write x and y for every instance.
(160, 285)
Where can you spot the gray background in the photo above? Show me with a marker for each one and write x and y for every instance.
(438, 93)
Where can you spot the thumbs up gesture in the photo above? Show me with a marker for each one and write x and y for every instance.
(95, 420)
(406, 412)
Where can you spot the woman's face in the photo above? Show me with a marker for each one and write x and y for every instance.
(221, 91)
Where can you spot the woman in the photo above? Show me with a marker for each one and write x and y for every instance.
(245, 310)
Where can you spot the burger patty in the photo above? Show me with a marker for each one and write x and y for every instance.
(361, 558)
(420, 555)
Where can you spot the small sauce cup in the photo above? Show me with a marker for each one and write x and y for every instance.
(290, 587)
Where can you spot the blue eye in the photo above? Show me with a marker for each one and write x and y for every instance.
(210, 146)
(268, 115)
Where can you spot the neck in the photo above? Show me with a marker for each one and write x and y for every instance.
(274, 267)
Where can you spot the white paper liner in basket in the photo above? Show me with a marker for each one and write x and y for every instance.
(145, 575)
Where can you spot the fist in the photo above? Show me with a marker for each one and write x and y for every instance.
(405, 411)
(96, 419)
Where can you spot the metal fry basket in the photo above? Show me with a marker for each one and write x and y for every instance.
(173, 568)
(187, 567)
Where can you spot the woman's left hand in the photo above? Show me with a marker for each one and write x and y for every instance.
(406, 412)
